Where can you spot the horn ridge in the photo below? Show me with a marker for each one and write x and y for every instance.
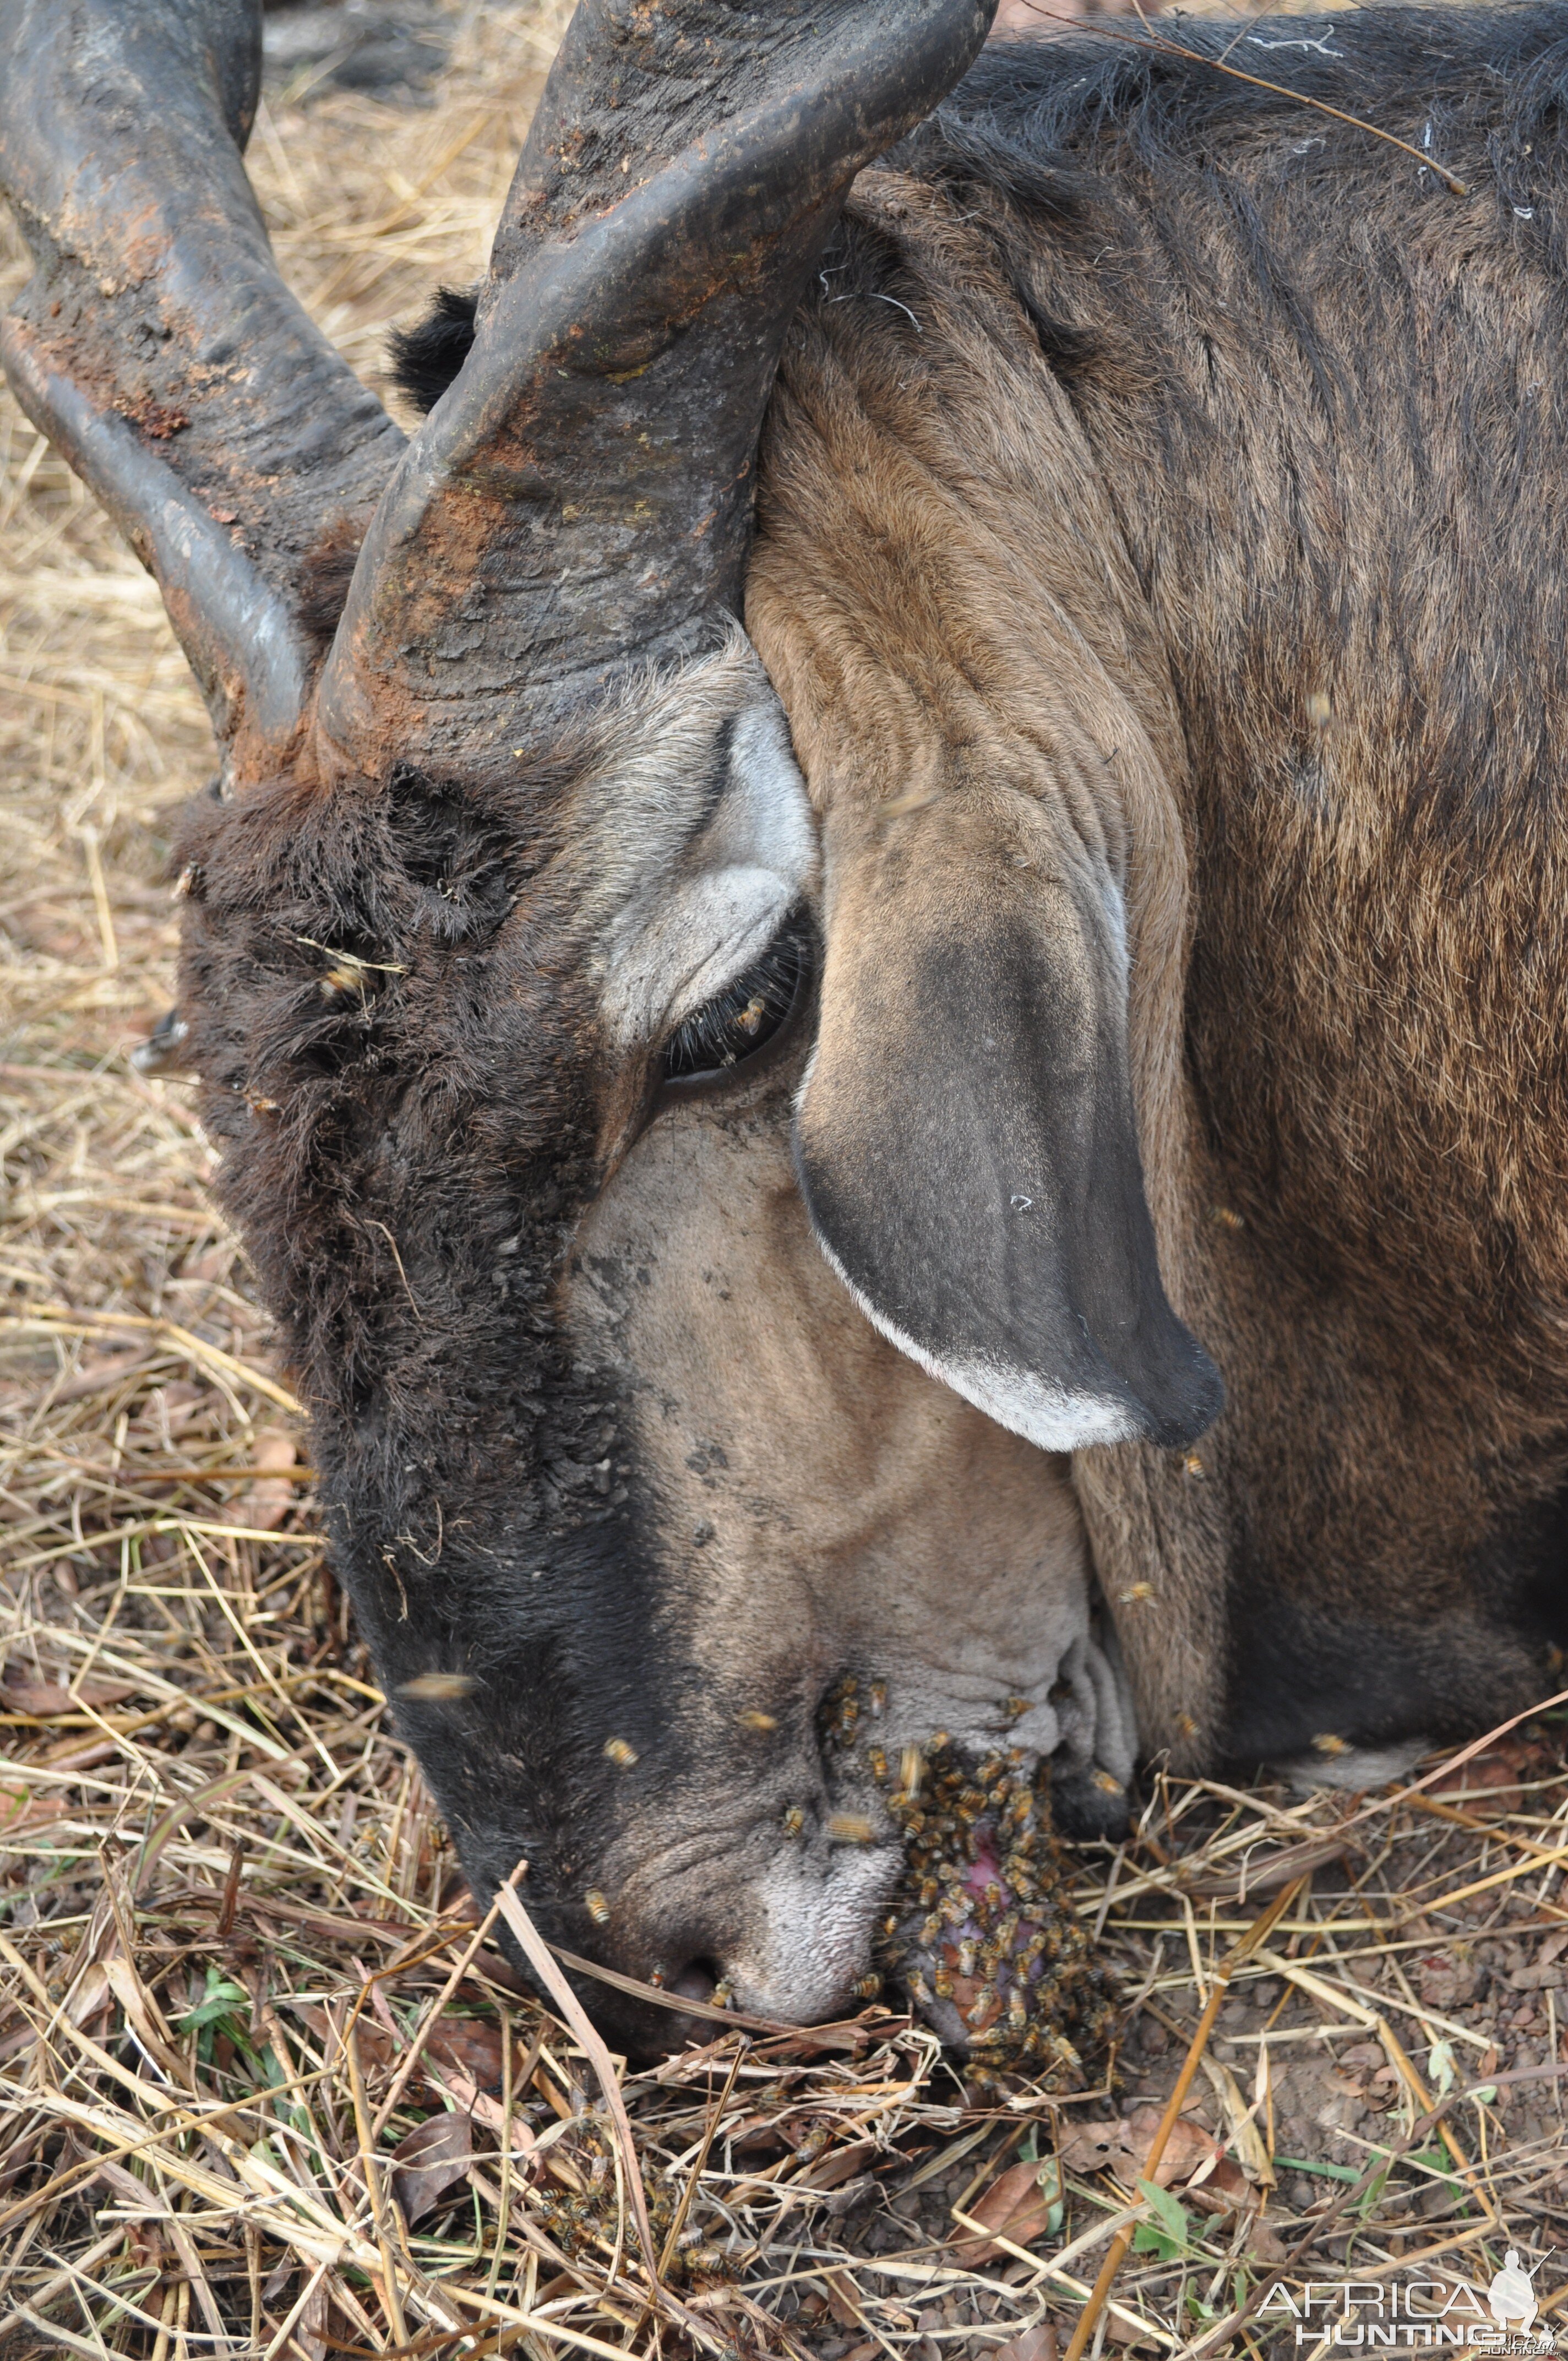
(158, 346)
(582, 491)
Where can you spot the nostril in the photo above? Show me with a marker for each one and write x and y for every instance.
(698, 1980)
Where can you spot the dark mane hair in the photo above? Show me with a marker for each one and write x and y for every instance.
(426, 357)
(1028, 111)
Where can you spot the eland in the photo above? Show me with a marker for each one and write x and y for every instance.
(880, 952)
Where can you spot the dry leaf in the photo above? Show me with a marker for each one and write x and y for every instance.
(466, 2046)
(1091, 2148)
(842, 2301)
(457, 2045)
(1122, 2148)
(144, 2015)
(90, 1996)
(48, 1697)
(1036, 2344)
(309, 2332)
(1545, 1975)
(265, 1505)
(1017, 2206)
(1222, 2188)
(840, 2165)
(1188, 2146)
(1446, 1980)
(429, 2160)
(1240, 2124)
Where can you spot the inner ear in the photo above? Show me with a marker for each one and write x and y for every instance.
(965, 1139)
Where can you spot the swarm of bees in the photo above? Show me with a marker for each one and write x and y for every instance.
(980, 1932)
(575, 2194)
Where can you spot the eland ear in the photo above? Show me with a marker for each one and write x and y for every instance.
(965, 1138)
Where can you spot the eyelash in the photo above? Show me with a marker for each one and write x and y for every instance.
(727, 1031)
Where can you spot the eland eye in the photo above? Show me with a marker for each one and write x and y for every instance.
(729, 1031)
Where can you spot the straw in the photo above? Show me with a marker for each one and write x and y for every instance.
(238, 1969)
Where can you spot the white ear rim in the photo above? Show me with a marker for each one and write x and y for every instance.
(1050, 1416)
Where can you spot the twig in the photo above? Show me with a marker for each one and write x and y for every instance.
(1256, 1933)
(392, 2293)
(416, 2048)
(710, 2130)
(538, 1954)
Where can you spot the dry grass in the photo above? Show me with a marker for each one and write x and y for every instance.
(231, 1914)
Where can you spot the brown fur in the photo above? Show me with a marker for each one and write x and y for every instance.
(1357, 1167)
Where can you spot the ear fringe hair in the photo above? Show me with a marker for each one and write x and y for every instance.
(425, 359)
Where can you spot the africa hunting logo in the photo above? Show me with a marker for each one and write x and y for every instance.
(1416, 2314)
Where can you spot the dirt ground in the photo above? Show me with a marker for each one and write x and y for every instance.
(263, 2090)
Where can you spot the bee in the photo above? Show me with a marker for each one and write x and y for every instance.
(1329, 1744)
(849, 1827)
(919, 1991)
(724, 1994)
(656, 1977)
(981, 2007)
(1017, 2009)
(929, 1931)
(616, 1750)
(761, 1723)
(1186, 1725)
(1107, 1784)
(876, 1763)
(596, 1906)
(1224, 1219)
(877, 1697)
(967, 1957)
(890, 1924)
(866, 1987)
(1014, 1707)
(438, 1688)
(1138, 1596)
(954, 1906)
(794, 1822)
(1191, 1464)
(911, 1770)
